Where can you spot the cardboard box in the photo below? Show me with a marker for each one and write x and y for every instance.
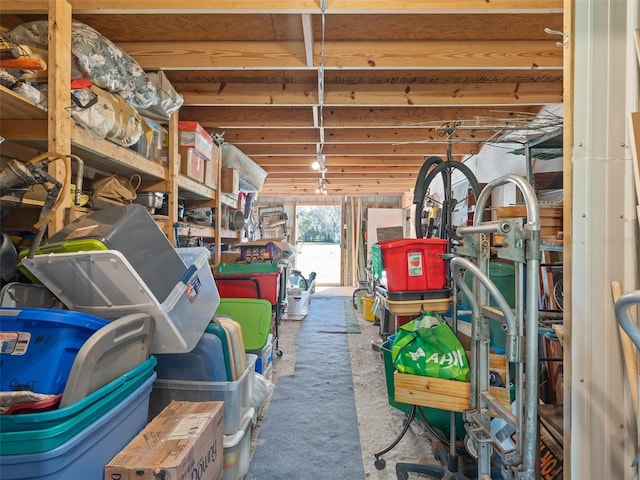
(212, 168)
(193, 135)
(192, 164)
(183, 442)
(229, 180)
(265, 249)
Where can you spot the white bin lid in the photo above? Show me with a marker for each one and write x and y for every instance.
(104, 284)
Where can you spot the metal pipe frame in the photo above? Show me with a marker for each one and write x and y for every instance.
(528, 408)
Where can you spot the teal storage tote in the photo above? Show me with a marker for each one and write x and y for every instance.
(27, 442)
(85, 454)
(116, 390)
(38, 347)
(253, 315)
(219, 331)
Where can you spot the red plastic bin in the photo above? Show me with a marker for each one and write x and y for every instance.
(250, 285)
(414, 264)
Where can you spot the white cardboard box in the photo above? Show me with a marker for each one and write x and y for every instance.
(184, 442)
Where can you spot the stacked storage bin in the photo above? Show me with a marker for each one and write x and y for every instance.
(100, 409)
(411, 276)
(217, 369)
(254, 316)
(96, 266)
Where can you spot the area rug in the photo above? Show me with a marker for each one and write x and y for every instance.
(310, 430)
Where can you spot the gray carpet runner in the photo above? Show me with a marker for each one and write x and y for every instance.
(310, 430)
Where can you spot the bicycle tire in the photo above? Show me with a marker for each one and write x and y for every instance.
(419, 193)
(443, 168)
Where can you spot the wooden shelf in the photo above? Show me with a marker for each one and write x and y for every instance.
(17, 107)
(30, 129)
(193, 190)
(195, 230)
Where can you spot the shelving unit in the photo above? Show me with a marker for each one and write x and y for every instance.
(31, 129)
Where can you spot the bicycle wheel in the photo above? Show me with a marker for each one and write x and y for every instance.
(419, 193)
(443, 172)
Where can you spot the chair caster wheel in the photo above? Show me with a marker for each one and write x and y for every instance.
(380, 463)
(402, 475)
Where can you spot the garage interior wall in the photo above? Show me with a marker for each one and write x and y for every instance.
(605, 238)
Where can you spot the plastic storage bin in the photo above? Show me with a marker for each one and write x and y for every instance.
(503, 275)
(237, 396)
(254, 280)
(264, 356)
(298, 304)
(131, 230)
(46, 439)
(38, 347)
(413, 264)
(114, 392)
(104, 284)
(205, 363)
(86, 454)
(28, 295)
(236, 449)
(254, 315)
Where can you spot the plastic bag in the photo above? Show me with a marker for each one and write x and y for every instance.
(427, 346)
(262, 388)
(114, 190)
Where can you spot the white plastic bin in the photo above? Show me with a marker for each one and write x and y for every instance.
(104, 284)
(236, 449)
(237, 396)
(298, 304)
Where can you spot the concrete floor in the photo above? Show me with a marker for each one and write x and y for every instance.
(379, 423)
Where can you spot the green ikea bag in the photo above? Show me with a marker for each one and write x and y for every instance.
(428, 346)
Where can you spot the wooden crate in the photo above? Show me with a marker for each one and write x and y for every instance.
(550, 217)
(450, 395)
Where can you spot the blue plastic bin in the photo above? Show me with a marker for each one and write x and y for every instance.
(45, 422)
(205, 363)
(38, 347)
(86, 454)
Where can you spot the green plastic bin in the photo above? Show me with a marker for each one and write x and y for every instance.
(503, 275)
(246, 268)
(253, 315)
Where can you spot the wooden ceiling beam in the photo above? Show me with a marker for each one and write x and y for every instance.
(304, 169)
(388, 95)
(290, 6)
(244, 136)
(262, 136)
(366, 54)
(276, 116)
(346, 117)
(346, 161)
(358, 149)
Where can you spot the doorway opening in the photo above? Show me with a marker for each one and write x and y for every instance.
(318, 242)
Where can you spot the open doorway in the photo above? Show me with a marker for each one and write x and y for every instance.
(318, 242)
